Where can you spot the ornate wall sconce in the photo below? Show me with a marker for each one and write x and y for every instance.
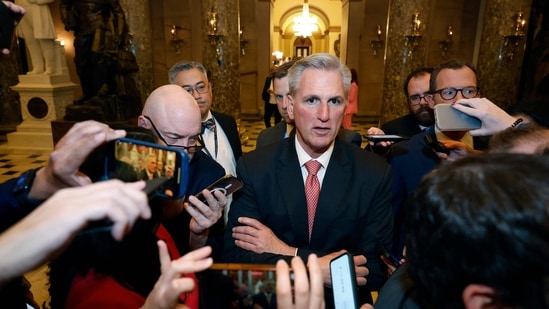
(216, 39)
(445, 44)
(511, 41)
(378, 43)
(243, 41)
(413, 39)
(175, 41)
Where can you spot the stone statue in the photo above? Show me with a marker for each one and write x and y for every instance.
(103, 61)
(37, 29)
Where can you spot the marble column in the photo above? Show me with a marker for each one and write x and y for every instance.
(501, 56)
(221, 51)
(10, 104)
(138, 18)
(405, 52)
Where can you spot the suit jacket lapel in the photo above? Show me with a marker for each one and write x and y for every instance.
(333, 191)
(290, 181)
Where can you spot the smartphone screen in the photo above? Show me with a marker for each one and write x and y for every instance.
(152, 162)
(131, 160)
(342, 271)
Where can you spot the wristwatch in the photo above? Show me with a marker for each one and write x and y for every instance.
(22, 186)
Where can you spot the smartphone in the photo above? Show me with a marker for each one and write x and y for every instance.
(227, 184)
(448, 118)
(435, 144)
(7, 24)
(385, 137)
(391, 258)
(342, 272)
(131, 160)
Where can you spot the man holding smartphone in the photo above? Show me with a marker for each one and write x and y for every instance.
(173, 115)
(411, 160)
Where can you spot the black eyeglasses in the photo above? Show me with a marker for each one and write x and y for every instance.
(201, 88)
(188, 149)
(415, 99)
(466, 92)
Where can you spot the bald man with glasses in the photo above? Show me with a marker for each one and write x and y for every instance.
(173, 115)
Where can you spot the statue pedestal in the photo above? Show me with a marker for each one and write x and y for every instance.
(43, 100)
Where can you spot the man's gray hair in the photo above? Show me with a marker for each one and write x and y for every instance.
(321, 61)
(185, 65)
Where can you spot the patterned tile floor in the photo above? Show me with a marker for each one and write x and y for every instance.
(13, 163)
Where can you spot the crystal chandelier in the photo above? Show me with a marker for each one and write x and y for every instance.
(305, 24)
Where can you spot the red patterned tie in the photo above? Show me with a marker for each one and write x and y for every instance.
(312, 189)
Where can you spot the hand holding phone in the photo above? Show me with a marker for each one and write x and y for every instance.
(393, 260)
(435, 144)
(342, 272)
(448, 118)
(121, 159)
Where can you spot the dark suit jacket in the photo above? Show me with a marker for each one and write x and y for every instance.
(353, 209)
(276, 134)
(410, 161)
(405, 126)
(144, 176)
(228, 124)
(203, 171)
(261, 300)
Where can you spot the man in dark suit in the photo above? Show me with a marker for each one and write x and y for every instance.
(175, 118)
(275, 218)
(283, 128)
(220, 136)
(421, 116)
(412, 159)
(149, 172)
(222, 141)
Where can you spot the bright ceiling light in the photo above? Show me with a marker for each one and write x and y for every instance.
(305, 24)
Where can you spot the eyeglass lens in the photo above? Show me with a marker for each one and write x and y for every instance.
(450, 93)
(201, 88)
(416, 98)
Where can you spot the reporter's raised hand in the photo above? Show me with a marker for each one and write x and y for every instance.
(44, 232)
(309, 290)
(492, 117)
(69, 153)
(171, 284)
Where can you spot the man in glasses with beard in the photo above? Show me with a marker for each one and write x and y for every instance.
(421, 116)
(416, 90)
(410, 160)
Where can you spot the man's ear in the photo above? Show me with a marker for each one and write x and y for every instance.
(142, 122)
(431, 102)
(477, 296)
(290, 107)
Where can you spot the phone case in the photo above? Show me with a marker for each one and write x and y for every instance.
(448, 118)
(228, 184)
(385, 137)
(342, 272)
